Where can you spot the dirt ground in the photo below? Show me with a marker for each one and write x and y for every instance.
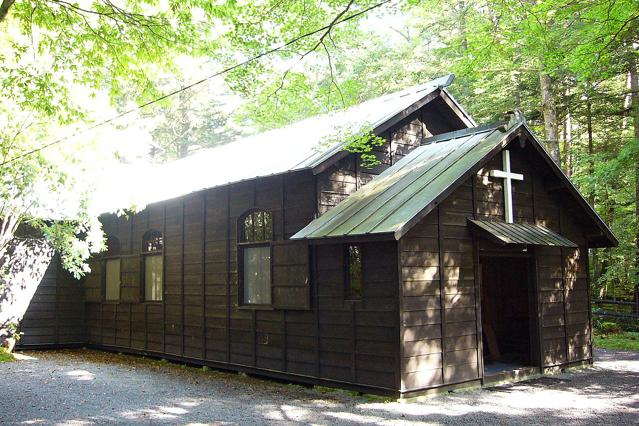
(77, 387)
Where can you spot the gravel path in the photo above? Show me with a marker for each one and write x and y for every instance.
(78, 387)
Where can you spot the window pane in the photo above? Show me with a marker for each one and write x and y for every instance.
(112, 279)
(268, 226)
(355, 272)
(248, 228)
(256, 226)
(259, 226)
(152, 241)
(257, 275)
(153, 277)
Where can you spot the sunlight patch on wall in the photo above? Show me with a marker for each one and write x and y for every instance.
(26, 263)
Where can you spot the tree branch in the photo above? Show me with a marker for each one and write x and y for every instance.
(228, 69)
(327, 31)
(4, 8)
(333, 81)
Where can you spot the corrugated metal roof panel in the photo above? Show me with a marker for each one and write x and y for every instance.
(520, 233)
(301, 145)
(403, 194)
(402, 191)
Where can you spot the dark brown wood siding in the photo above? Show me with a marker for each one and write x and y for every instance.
(439, 328)
(310, 330)
(346, 176)
(420, 307)
(358, 340)
(417, 325)
(55, 315)
(562, 275)
(439, 296)
(561, 272)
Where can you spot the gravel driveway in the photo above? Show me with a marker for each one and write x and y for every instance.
(77, 387)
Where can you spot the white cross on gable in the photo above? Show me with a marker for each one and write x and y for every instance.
(508, 177)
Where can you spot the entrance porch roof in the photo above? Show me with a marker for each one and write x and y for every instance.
(519, 233)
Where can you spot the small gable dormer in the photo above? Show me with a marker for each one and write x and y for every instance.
(434, 113)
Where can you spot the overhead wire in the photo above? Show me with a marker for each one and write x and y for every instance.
(196, 83)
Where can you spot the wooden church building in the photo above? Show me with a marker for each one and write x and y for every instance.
(461, 256)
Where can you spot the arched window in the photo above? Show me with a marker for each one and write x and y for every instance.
(112, 269)
(152, 241)
(255, 234)
(152, 246)
(256, 226)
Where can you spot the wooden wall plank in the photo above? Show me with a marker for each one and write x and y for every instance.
(54, 316)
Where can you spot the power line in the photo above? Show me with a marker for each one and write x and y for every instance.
(196, 83)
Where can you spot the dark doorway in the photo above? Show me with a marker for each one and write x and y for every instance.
(506, 313)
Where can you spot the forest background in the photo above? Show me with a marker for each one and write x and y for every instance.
(91, 86)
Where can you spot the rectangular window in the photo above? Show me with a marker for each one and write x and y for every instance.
(112, 279)
(257, 275)
(153, 277)
(354, 276)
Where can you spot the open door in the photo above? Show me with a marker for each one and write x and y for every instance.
(507, 313)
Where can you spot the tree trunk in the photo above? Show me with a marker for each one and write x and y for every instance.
(4, 8)
(550, 116)
(462, 26)
(183, 149)
(591, 152)
(591, 192)
(183, 125)
(634, 108)
(568, 145)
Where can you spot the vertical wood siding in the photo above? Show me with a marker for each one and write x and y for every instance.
(438, 278)
(314, 334)
(55, 315)
(440, 321)
(421, 326)
(358, 339)
(345, 177)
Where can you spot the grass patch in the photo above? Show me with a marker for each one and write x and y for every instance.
(625, 341)
(5, 356)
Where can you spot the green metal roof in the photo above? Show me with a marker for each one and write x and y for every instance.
(520, 233)
(389, 203)
(406, 192)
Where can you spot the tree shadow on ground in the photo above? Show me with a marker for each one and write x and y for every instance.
(84, 387)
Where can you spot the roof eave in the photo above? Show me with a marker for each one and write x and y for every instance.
(456, 106)
(606, 232)
(342, 239)
(507, 137)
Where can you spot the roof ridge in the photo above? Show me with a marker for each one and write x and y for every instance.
(305, 144)
(439, 82)
(462, 132)
(443, 81)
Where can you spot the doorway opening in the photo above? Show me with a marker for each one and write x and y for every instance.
(506, 310)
